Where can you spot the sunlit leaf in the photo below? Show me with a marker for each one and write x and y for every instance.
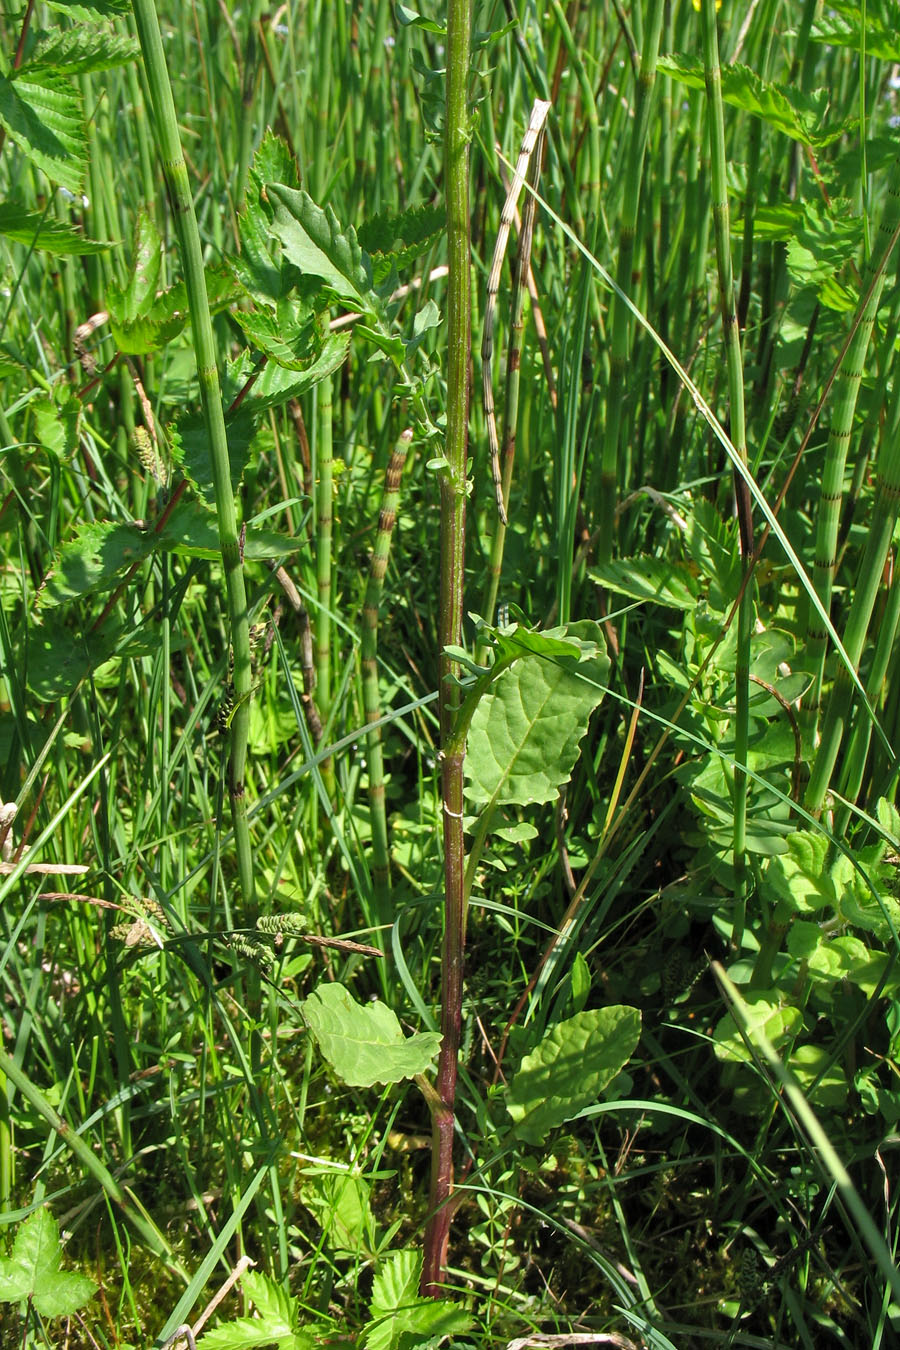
(364, 1043)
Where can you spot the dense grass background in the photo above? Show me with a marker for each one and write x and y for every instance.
(691, 1207)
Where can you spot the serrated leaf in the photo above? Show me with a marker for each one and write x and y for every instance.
(785, 107)
(417, 227)
(84, 11)
(364, 1044)
(34, 1270)
(399, 1316)
(192, 532)
(315, 242)
(274, 384)
(655, 579)
(94, 560)
(288, 334)
(568, 1071)
(43, 115)
(37, 230)
(276, 1323)
(56, 425)
(841, 26)
(524, 737)
(81, 50)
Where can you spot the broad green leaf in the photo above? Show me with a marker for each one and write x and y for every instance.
(784, 107)
(83, 11)
(275, 1323)
(399, 1317)
(799, 878)
(191, 451)
(568, 1071)
(34, 1271)
(58, 658)
(315, 242)
(658, 579)
(275, 384)
(765, 1012)
(81, 50)
(526, 729)
(43, 115)
(583, 638)
(288, 334)
(340, 1203)
(191, 531)
(94, 560)
(840, 26)
(37, 230)
(821, 1080)
(56, 423)
(126, 302)
(364, 1044)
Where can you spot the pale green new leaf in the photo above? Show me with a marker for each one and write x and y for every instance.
(567, 1072)
(34, 1271)
(526, 730)
(340, 1202)
(43, 115)
(766, 1013)
(364, 1044)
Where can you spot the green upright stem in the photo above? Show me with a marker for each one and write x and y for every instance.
(381, 857)
(878, 542)
(620, 317)
(841, 429)
(453, 533)
(175, 170)
(735, 365)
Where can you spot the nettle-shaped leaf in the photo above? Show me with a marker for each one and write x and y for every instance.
(276, 1321)
(315, 242)
(79, 51)
(841, 26)
(43, 114)
(525, 732)
(102, 552)
(395, 241)
(36, 229)
(786, 108)
(400, 1318)
(569, 1070)
(34, 1271)
(658, 580)
(364, 1044)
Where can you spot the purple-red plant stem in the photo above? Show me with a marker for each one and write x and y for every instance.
(453, 535)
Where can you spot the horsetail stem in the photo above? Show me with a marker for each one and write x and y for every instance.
(175, 170)
(381, 858)
(734, 361)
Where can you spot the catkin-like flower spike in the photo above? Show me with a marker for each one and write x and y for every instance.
(529, 141)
